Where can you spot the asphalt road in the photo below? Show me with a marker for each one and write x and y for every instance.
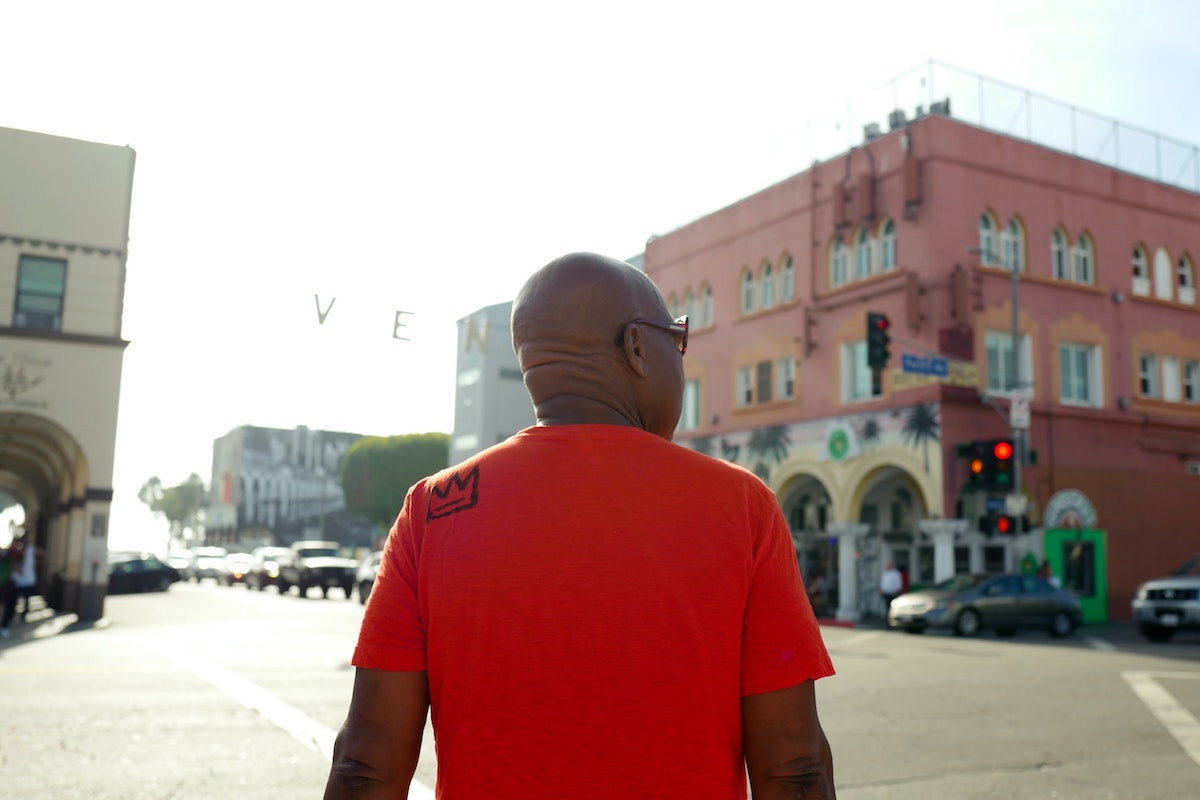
(214, 692)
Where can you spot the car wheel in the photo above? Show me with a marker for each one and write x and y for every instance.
(967, 623)
(1061, 625)
(325, 592)
(364, 591)
(164, 583)
(303, 588)
(1157, 633)
(348, 588)
(284, 586)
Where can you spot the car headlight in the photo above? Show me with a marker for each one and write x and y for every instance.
(1142, 592)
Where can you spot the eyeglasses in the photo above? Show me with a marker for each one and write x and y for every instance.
(678, 329)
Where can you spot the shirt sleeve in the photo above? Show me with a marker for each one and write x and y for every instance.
(781, 641)
(392, 636)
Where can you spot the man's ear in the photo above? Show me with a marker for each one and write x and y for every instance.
(634, 348)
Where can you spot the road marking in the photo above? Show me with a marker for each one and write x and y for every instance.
(858, 638)
(1101, 644)
(1178, 721)
(300, 726)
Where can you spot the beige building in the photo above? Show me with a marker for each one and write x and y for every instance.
(64, 230)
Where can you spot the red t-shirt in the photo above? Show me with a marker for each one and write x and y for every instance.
(591, 603)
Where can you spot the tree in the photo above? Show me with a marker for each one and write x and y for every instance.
(179, 504)
(766, 445)
(921, 426)
(377, 471)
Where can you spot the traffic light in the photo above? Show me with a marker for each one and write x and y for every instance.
(878, 340)
(989, 464)
(996, 524)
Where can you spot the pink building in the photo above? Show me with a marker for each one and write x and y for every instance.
(924, 224)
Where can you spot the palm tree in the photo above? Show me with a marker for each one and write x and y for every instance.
(765, 444)
(921, 426)
(869, 434)
(703, 445)
(729, 450)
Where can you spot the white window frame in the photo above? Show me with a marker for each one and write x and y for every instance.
(1148, 378)
(1082, 261)
(748, 291)
(857, 383)
(689, 417)
(863, 255)
(1191, 381)
(745, 386)
(1012, 246)
(1164, 275)
(768, 285)
(789, 279)
(1070, 356)
(1000, 344)
(706, 306)
(1185, 274)
(1059, 251)
(887, 236)
(1172, 385)
(837, 263)
(988, 251)
(785, 378)
(1141, 271)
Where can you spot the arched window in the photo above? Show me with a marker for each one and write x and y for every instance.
(689, 305)
(1013, 245)
(789, 279)
(706, 306)
(1084, 260)
(747, 291)
(837, 262)
(988, 252)
(1164, 280)
(1058, 254)
(1141, 271)
(768, 285)
(863, 252)
(887, 235)
(1186, 274)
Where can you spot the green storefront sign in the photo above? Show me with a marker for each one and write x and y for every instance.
(1079, 556)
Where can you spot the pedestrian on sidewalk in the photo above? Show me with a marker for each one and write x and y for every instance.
(21, 581)
(891, 586)
(590, 610)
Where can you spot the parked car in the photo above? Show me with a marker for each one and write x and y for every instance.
(1165, 605)
(206, 563)
(314, 563)
(180, 560)
(140, 573)
(264, 566)
(365, 579)
(234, 569)
(967, 604)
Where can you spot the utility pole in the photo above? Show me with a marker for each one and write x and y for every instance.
(1018, 433)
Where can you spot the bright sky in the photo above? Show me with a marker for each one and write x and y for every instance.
(426, 157)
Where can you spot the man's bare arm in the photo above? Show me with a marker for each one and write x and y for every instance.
(376, 751)
(787, 754)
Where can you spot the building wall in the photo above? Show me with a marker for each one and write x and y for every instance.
(933, 180)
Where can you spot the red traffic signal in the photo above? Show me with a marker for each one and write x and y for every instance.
(1003, 450)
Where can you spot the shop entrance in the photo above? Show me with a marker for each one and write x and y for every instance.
(1080, 557)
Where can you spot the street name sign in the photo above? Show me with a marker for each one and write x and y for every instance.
(924, 365)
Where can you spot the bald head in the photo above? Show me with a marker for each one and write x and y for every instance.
(565, 322)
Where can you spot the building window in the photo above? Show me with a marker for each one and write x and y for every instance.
(789, 279)
(41, 286)
(1186, 275)
(745, 386)
(888, 237)
(1164, 281)
(837, 263)
(1058, 255)
(998, 351)
(1191, 381)
(785, 376)
(1079, 374)
(768, 285)
(689, 304)
(1148, 375)
(706, 306)
(764, 381)
(747, 292)
(1013, 244)
(1170, 379)
(1141, 271)
(690, 418)
(856, 375)
(988, 251)
(863, 253)
(1082, 260)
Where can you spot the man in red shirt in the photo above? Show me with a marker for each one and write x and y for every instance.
(589, 610)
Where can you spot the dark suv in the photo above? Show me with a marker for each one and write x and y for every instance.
(313, 563)
(1165, 605)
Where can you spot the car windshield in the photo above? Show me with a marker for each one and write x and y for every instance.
(960, 582)
(1191, 567)
(317, 552)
